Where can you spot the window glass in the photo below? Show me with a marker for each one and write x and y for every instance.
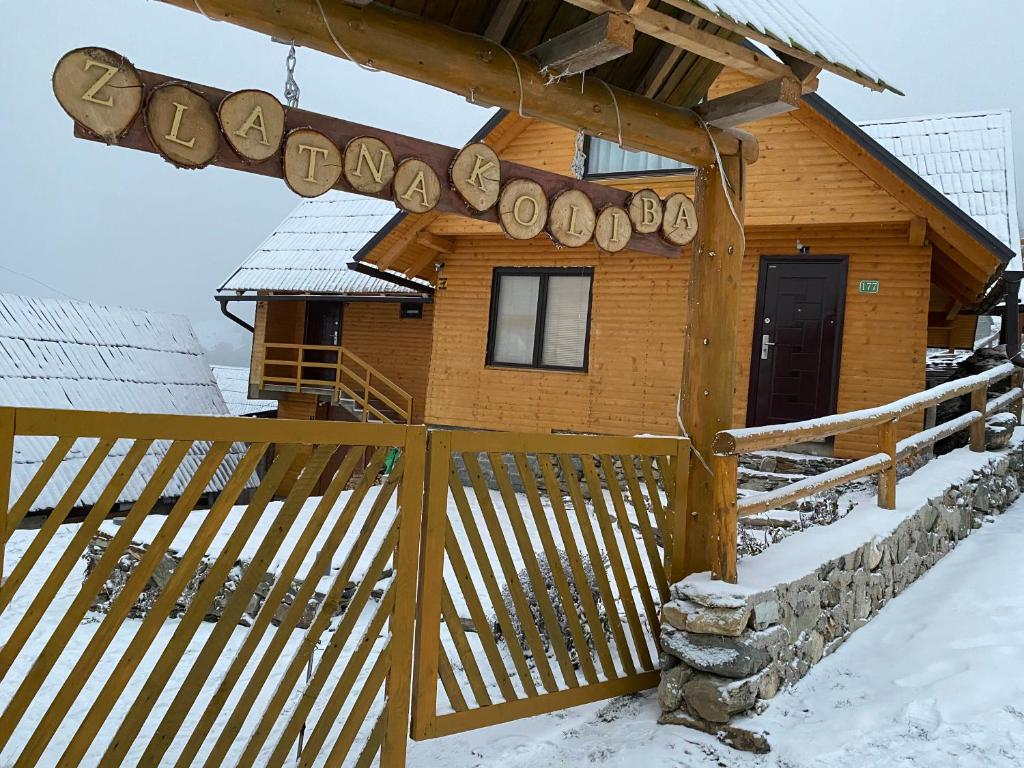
(608, 157)
(565, 321)
(516, 319)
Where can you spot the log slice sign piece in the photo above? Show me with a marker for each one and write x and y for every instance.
(253, 124)
(679, 226)
(312, 162)
(182, 125)
(417, 188)
(645, 211)
(369, 165)
(476, 175)
(523, 209)
(572, 218)
(100, 90)
(613, 229)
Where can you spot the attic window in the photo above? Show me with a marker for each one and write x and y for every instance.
(606, 158)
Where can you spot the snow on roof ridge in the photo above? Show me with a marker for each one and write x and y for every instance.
(937, 116)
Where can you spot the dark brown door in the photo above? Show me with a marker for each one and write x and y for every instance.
(798, 331)
(323, 328)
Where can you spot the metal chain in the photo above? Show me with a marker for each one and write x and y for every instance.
(291, 88)
(579, 159)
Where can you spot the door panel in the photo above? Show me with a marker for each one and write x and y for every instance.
(794, 371)
(323, 328)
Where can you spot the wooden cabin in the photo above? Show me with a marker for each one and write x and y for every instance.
(856, 264)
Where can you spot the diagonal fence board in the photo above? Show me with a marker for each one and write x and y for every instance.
(542, 570)
(268, 627)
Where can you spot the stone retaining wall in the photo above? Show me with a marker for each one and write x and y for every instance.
(724, 653)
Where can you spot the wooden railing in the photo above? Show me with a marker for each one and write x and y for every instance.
(349, 377)
(731, 443)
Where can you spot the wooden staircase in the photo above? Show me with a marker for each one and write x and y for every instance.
(350, 381)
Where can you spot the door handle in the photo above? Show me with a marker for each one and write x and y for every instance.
(765, 344)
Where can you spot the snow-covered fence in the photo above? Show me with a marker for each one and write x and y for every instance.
(730, 444)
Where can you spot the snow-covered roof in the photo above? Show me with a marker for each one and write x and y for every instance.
(75, 355)
(233, 381)
(310, 250)
(968, 157)
(789, 22)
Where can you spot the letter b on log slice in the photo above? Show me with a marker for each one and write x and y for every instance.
(572, 218)
(100, 90)
(523, 209)
(645, 211)
(312, 162)
(182, 125)
(476, 175)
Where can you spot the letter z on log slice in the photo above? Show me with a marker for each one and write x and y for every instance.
(100, 90)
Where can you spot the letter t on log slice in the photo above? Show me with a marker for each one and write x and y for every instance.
(709, 364)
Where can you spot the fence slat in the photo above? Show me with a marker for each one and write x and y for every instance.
(7, 427)
(39, 480)
(654, 557)
(657, 508)
(464, 651)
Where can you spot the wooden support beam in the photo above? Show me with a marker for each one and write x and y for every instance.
(668, 58)
(472, 66)
(589, 45)
(709, 358)
(682, 35)
(776, 97)
(501, 19)
(435, 242)
(917, 231)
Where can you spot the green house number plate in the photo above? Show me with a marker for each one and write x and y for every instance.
(869, 286)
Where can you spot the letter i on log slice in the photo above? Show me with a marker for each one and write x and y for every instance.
(523, 209)
(572, 218)
(182, 125)
(312, 162)
(253, 124)
(100, 90)
(613, 229)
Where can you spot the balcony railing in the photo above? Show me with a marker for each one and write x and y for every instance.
(339, 372)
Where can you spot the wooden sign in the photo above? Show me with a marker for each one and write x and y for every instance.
(193, 126)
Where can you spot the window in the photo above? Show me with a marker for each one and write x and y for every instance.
(606, 158)
(540, 318)
(410, 310)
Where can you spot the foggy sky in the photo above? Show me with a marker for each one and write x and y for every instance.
(103, 224)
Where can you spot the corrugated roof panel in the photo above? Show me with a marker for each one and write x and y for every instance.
(234, 387)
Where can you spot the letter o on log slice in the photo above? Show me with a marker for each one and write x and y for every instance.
(417, 188)
(572, 218)
(182, 125)
(679, 226)
(100, 90)
(645, 211)
(369, 165)
(613, 229)
(312, 162)
(253, 124)
(476, 175)
(523, 209)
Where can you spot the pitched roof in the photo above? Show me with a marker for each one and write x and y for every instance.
(234, 387)
(968, 157)
(75, 355)
(309, 251)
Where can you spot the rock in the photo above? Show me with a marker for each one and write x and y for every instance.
(729, 622)
(766, 614)
(715, 699)
(730, 735)
(813, 647)
(670, 689)
(872, 554)
(726, 656)
(998, 431)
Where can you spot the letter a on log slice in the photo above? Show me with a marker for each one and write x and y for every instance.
(100, 90)
(312, 162)
(572, 218)
(253, 124)
(613, 229)
(369, 165)
(417, 188)
(476, 175)
(523, 209)
(182, 125)
(645, 211)
(679, 225)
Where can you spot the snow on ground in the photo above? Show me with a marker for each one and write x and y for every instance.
(934, 680)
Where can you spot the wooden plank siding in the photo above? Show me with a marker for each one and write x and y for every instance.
(637, 331)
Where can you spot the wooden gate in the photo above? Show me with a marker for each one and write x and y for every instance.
(248, 632)
(542, 573)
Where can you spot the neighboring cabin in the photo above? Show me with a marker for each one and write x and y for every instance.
(91, 357)
(233, 381)
(854, 265)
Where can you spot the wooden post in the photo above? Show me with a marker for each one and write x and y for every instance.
(298, 369)
(675, 548)
(6, 462)
(709, 358)
(1016, 381)
(887, 478)
(979, 399)
(725, 469)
